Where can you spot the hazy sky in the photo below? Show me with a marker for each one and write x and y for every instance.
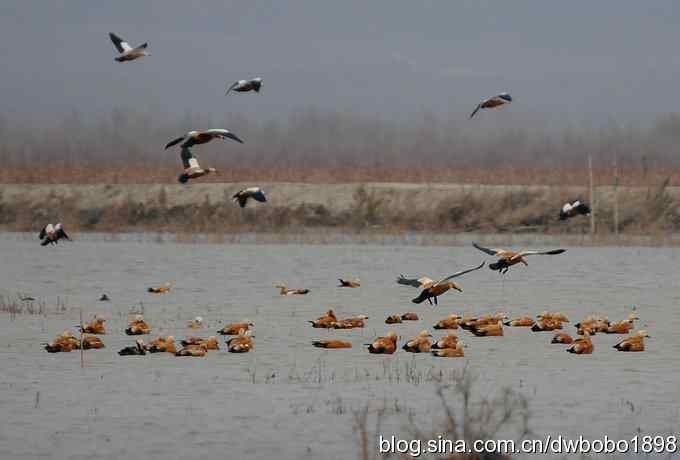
(586, 60)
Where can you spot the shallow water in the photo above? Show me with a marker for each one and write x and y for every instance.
(288, 400)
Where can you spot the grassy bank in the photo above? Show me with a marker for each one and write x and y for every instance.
(388, 208)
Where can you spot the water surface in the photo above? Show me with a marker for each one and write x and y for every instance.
(288, 400)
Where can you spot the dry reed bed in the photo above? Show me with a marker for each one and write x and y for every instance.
(379, 208)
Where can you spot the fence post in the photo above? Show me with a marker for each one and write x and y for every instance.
(592, 195)
(616, 194)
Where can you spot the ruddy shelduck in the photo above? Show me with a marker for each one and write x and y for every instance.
(92, 342)
(523, 321)
(624, 326)
(196, 351)
(546, 325)
(498, 100)
(419, 344)
(196, 323)
(211, 343)
(448, 341)
(384, 345)
(633, 343)
(557, 316)
(509, 258)
(51, 234)
(573, 209)
(138, 326)
(450, 322)
(393, 319)
(242, 343)
(162, 345)
(254, 193)
(562, 337)
(332, 343)
(283, 290)
(488, 330)
(583, 346)
(326, 321)
(96, 326)
(127, 53)
(160, 289)
(234, 328)
(456, 352)
(350, 323)
(409, 316)
(137, 350)
(355, 283)
(431, 290)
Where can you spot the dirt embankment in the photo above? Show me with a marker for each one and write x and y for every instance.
(379, 207)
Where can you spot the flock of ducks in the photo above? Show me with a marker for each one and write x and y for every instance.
(241, 340)
(448, 346)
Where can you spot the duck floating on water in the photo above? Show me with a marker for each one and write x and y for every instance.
(633, 343)
(137, 326)
(488, 330)
(354, 283)
(96, 326)
(137, 350)
(562, 337)
(162, 344)
(393, 319)
(326, 321)
(161, 289)
(242, 343)
(234, 328)
(448, 341)
(384, 345)
(350, 323)
(419, 344)
(196, 323)
(455, 352)
(211, 343)
(332, 343)
(450, 322)
(283, 290)
(91, 342)
(583, 346)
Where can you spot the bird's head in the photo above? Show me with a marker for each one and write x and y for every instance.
(455, 286)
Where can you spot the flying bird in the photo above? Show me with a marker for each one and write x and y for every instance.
(574, 209)
(51, 234)
(431, 289)
(244, 86)
(128, 53)
(509, 258)
(192, 169)
(496, 101)
(256, 193)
